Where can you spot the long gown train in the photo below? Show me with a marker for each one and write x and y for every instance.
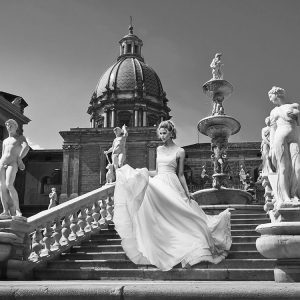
(159, 226)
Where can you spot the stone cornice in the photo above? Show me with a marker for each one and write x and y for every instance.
(13, 110)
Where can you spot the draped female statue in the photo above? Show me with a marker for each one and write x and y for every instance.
(284, 147)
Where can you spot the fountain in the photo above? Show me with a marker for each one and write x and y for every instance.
(219, 127)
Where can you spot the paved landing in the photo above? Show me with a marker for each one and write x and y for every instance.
(146, 290)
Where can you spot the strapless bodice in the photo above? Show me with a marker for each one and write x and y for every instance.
(166, 163)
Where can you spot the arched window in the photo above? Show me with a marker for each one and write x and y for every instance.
(152, 120)
(49, 181)
(46, 180)
(124, 117)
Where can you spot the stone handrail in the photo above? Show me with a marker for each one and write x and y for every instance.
(26, 245)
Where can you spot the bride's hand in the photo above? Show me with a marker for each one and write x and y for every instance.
(190, 197)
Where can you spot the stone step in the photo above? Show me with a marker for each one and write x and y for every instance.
(244, 232)
(244, 226)
(154, 274)
(96, 248)
(113, 238)
(127, 264)
(102, 241)
(105, 234)
(243, 246)
(117, 241)
(118, 248)
(250, 221)
(249, 216)
(248, 254)
(243, 239)
(90, 255)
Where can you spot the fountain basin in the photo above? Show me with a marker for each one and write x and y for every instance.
(219, 125)
(218, 87)
(222, 196)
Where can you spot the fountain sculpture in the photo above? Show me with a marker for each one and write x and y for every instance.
(219, 127)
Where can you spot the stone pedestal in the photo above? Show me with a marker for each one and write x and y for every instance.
(14, 249)
(281, 241)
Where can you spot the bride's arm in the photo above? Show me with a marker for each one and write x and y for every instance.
(153, 173)
(181, 154)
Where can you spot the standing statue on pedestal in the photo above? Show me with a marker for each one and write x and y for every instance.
(265, 148)
(14, 149)
(118, 148)
(242, 174)
(284, 150)
(53, 198)
(216, 66)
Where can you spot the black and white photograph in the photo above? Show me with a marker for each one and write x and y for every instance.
(150, 149)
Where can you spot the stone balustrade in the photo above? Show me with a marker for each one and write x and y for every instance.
(26, 245)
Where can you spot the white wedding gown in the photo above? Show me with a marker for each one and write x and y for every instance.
(159, 226)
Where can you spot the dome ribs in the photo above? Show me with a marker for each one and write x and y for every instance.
(115, 85)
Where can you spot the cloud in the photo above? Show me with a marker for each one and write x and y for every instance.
(33, 145)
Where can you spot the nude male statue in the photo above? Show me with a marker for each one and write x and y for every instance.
(14, 149)
(53, 198)
(118, 147)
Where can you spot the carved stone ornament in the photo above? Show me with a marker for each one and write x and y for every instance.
(71, 147)
(152, 145)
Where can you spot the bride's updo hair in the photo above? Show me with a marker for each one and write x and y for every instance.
(170, 126)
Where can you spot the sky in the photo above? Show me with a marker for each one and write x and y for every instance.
(53, 53)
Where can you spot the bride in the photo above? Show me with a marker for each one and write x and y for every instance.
(158, 220)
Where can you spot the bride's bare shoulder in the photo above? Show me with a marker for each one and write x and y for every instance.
(180, 152)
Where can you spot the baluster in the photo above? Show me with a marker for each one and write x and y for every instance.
(103, 214)
(81, 222)
(110, 210)
(96, 215)
(73, 227)
(36, 245)
(57, 235)
(89, 218)
(47, 239)
(65, 231)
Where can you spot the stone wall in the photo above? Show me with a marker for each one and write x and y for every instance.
(84, 163)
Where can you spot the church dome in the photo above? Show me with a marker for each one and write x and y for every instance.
(129, 92)
(130, 74)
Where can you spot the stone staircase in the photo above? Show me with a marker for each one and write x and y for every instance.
(102, 258)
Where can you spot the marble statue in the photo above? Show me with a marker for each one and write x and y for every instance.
(110, 176)
(118, 148)
(284, 146)
(203, 173)
(265, 148)
(218, 108)
(53, 198)
(14, 149)
(216, 66)
(242, 174)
